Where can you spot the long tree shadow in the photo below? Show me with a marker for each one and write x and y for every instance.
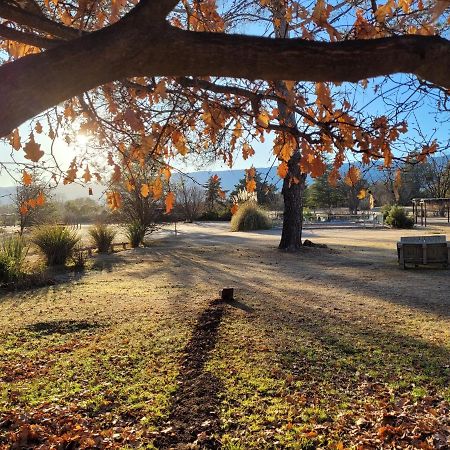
(194, 414)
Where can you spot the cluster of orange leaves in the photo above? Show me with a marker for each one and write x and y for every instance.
(27, 180)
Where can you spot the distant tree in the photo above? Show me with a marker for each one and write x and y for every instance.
(138, 204)
(190, 200)
(321, 194)
(411, 184)
(415, 180)
(266, 192)
(82, 210)
(31, 202)
(436, 177)
(351, 193)
(214, 195)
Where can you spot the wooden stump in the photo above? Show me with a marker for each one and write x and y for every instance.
(227, 294)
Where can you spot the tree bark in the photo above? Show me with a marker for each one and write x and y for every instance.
(291, 235)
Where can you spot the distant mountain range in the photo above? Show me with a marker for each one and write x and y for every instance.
(229, 178)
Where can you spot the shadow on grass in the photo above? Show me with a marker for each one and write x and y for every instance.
(61, 327)
(194, 414)
(337, 350)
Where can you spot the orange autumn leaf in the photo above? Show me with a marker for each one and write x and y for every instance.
(40, 199)
(234, 208)
(263, 119)
(251, 185)
(130, 186)
(250, 173)
(333, 177)
(362, 194)
(283, 170)
(117, 174)
(160, 89)
(71, 173)
(353, 176)
(167, 173)
(14, 140)
(284, 146)
(33, 150)
(247, 151)
(221, 194)
(87, 175)
(38, 127)
(145, 190)
(26, 178)
(170, 200)
(237, 132)
(114, 200)
(323, 96)
(179, 141)
(32, 203)
(157, 188)
(23, 209)
(317, 167)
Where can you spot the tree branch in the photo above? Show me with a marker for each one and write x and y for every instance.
(138, 46)
(27, 38)
(40, 23)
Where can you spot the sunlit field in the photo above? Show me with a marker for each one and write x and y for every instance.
(327, 348)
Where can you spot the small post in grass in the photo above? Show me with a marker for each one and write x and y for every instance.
(227, 294)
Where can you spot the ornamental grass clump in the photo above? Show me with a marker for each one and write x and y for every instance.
(250, 217)
(102, 236)
(136, 233)
(13, 252)
(57, 243)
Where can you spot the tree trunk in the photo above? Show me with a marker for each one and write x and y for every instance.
(291, 236)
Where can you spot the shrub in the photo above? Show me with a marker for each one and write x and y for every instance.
(250, 217)
(222, 214)
(385, 211)
(7, 272)
(16, 250)
(79, 259)
(398, 218)
(136, 233)
(56, 243)
(103, 236)
(209, 215)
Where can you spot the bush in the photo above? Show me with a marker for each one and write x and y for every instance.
(79, 259)
(56, 243)
(7, 272)
(103, 236)
(222, 214)
(136, 233)
(398, 218)
(385, 211)
(250, 217)
(16, 250)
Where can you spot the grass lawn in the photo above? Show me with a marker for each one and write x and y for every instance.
(328, 348)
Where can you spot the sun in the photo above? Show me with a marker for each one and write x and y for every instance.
(82, 139)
